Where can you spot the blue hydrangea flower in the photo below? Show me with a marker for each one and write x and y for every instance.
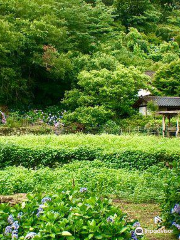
(82, 190)
(30, 235)
(40, 210)
(176, 208)
(15, 225)
(10, 219)
(133, 235)
(46, 199)
(15, 234)
(110, 219)
(8, 230)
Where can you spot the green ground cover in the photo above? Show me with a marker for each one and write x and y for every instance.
(108, 143)
(131, 169)
(135, 185)
(130, 152)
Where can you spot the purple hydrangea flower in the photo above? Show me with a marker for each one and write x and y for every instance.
(176, 209)
(15, 234)
(110, 219)
(82, 190)
(8, 230)
(30, 235)
(46, 199)
(15, 225)
(136, 224)
(10, 219)
(176, 225)
(40, 210)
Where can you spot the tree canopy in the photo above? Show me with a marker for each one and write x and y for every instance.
(89, 56)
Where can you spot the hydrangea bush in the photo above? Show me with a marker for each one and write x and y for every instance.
(74, 214)
(171, 205)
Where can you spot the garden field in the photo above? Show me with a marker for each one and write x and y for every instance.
(95, 186)
(139, 152)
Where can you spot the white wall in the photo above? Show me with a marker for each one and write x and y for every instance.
(143, 111)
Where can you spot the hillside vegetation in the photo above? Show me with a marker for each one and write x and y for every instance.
(90, 55)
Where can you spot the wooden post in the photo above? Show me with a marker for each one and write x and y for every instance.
(177, 130)
(169, 117)
(164, 125)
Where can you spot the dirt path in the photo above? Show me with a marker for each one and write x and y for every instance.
(145, 213)
(13, 199)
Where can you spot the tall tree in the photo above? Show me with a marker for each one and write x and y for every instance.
(38, 42)
(167, 79)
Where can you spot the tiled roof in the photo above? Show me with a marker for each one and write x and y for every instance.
(163, 101)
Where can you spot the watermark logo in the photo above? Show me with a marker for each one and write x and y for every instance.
(139, 231)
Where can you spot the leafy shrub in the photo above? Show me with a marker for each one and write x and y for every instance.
(128, 151)
(171, 204)
(111, 127)
(74, 214)
(36, 130)
(31, 158)
(89, 117)
(139, 186)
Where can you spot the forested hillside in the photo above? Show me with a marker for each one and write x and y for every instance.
(90, 56)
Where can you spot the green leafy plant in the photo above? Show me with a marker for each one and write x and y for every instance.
(71, 214)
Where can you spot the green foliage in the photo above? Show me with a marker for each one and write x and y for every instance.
(89, 117)
(153, 107)
(121, 151)
(111, 127)
(126, 9)
(167, 79)
(172, 198)
(69, 215)
(113, 91)
(135, 185)
(44, 50)
(37, 44)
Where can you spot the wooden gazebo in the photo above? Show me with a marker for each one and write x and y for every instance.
(169, 115)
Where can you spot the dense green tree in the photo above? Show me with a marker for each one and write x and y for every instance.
(167, 79)
(45, 44)
(37, 42)
(127, 9)
(114, 90)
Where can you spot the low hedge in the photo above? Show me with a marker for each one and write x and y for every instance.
(14, 155)
(36, 130)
